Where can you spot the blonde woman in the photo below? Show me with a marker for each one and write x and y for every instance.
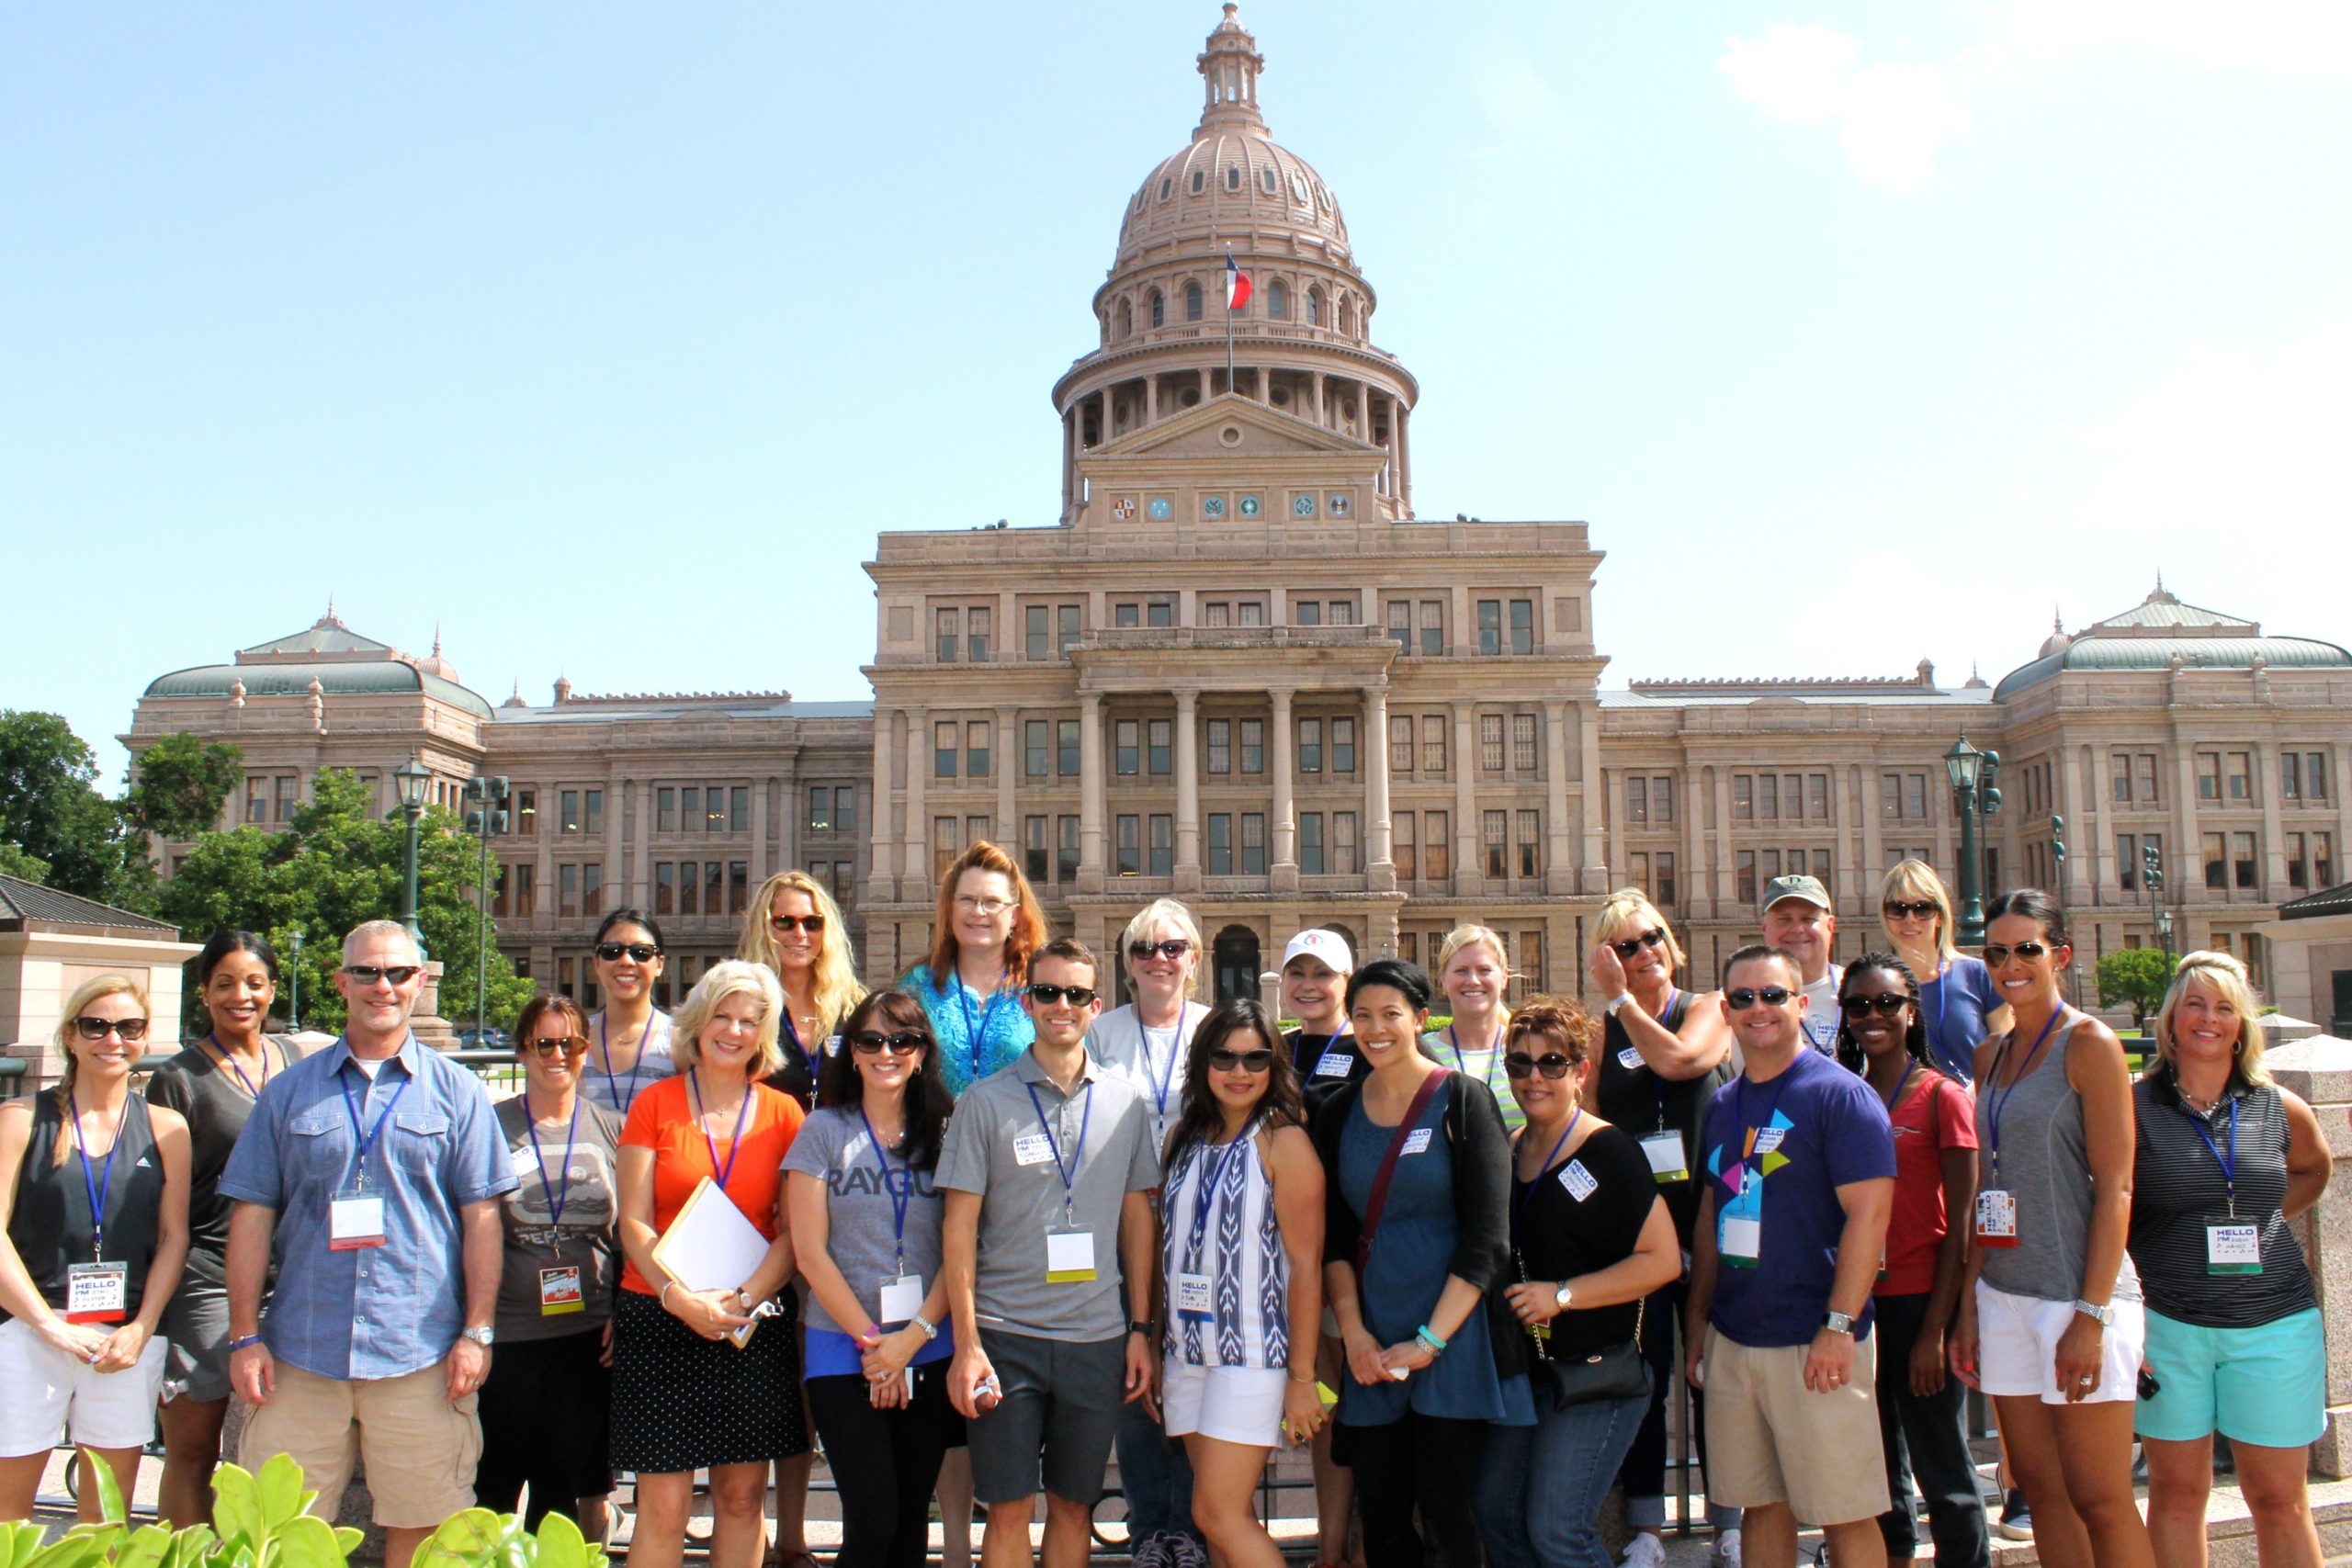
(1956, 996)
(797, 929)
(94, 1186)
(1473, 970)
(2224, 1159)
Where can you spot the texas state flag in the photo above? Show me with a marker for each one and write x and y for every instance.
(1236, 286)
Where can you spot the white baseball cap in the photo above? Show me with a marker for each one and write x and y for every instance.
(1328, 945)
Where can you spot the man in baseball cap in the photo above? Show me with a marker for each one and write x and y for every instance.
(1800, 919)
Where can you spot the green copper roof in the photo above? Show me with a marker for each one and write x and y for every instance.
(334, 680)
(2095, 652)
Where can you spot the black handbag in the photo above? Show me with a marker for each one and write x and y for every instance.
(1614, 1372)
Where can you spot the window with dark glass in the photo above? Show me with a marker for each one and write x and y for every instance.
(1310, 843)
(1220, 844)
(1035, 748)
(1432, 625)
(1522, 625)
(945, 623)
(1064, 848)
(1064, 626)
(1253, 745)
(665, 810)
(1490, 626)
(1066, 747)
(1127, 746)
(1343, 746)
(1163, 844)
(1037, 630)
(1310, 745)
(1159, 740)
(1253, 843)
(942, 750)
(1529, 842)
(1220, 746)
(1129, 839)
(975, 749)
(1034, 864)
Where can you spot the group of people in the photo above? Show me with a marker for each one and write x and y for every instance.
(1008, 1230)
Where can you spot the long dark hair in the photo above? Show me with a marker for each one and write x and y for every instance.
(838, 1085)
(2036, 906)
(1201, 1119)
(1915, 1037)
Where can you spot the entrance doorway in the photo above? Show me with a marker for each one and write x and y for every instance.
(1238, 963)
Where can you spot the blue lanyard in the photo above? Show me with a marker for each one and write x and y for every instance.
(98, 1187)
(644, 1044)
(735, 1144)
(366, 1140)
(1175, 1049)
(1995, 1100)
(2229, 1166)
(1518, 1204)
(1944, 998)
(976, 1032)
(251, 1088)
(556, 1195)
(1213, 1177)
(1909, 1066)
(1070, 1173)
(1493, 1052)
(900, 1194)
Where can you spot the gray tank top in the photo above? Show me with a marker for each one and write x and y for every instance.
(2044, 1163)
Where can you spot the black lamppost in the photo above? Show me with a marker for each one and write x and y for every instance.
(1971, 772)
(409, 779)
(2152, 872)
(488, 817)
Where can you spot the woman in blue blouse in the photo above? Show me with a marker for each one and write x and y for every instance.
(1957, 1002)
(988, 924)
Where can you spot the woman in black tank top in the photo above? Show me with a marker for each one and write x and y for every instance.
(93, 1192)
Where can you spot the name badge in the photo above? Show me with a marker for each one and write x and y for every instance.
(901, 1299)
(527, 1161)
(1069, 1257)
(1190, 1294)
(559, 1292)
(1417, 1140)
(1768, 1139)
(2233, 1247)
(354, 1223)
(1629, 1059)
(1581, 1183)
(1333, 1065)
(1741, 1241)
(1996, 1218)
(96, 1292)
(1031, 1149)
(1664, 1151)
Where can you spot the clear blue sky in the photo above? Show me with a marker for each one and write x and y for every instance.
(607, 337)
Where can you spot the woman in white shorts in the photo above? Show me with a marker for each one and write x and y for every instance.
(94, 1193)
(2052, 1325)
(1241, 1288)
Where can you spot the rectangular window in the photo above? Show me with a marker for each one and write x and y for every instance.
(1490, 626)
(1035, 748)
(1159, 742)
(975, 749)
(1637, 866)
(1163, 844)
(1064, 848)
(524, 881)
(665, 888)
(976, 829)
(1768, 798)
(2241, 775)
(1220, 746)
(2126, 862)
(1662, 797)
(1530, 851)
(690, 809)
(942, 750)
(2143, 775)
(1217, 613)
(2119, 769)
(1253, 745)
(1306, 612)
(1743, 798)
(1064, 626)
(1037, 631)
(1666, 894)
(2315, 776)
(1035, 863)
(592, 888)
(1494, 843)
(1890, 796)
(1310, 745)
(714, 800)
(1343, 844)
(1066, 747)
(1491, 743)
(690, 888)
(738, 808)
(1400, 623)
(2216, 853)
(739, 887)
(2209, 775)
(945, 626)
(564, 983)
(1127, 746)
(1816, 797)
(1771, 868)
(1343, 746)
(1343, 611)
(526, 812)
(1253, 843)
(1793, 792)
(665, 810)
(1128, 837)
(1128, 614)
(1821, 867)
(975, 631)
(1401, 743)
(257, 798)
(1220, 847)
(844, 881)
(1637, 801)
(1522, 742)
(1250, 613)
(1402, 847)
(1915, 797)
(845, 809)
(567, 812)
(1529, 951)
(1310, 843)
(1432, 625)
(1743, 886)
(1159, 613)
(1437, 845)
(1522, 625)
(2297, 862)
(288, 791)
(946, 843)
(2249, 870)
(2323, 863)
(2291, 775)
(1434, 744)
(1409, 946)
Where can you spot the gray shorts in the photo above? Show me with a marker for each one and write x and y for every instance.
(1056, 1421)
(196, 1364)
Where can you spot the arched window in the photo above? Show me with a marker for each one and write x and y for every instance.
(1347, 317)
(1126, 320)
(1158, 308)
(1167, 186)
(1315, 307)
(1192, 302)
(1233, 176)
(1270, 182)
(1278, 300)
(1200, 178)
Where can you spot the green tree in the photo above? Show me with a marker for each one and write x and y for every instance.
(334, 867)
(49, 811)
(179, 784)
(14, 862)
(2134, 978)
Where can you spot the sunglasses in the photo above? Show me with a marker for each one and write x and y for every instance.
(643, 952)
(1077, 996)
(812, 924)
(1996, 955)
(1174, 947)
(1258, 1061)
(1631, 946)
(132, 1030)
(1745, 997)
(392, 973)
(1924, 909)
(1887, 1003)
(873, 1042)
(548, 1045)
(1520, 1065)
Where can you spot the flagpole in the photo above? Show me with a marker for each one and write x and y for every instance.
(1228, 321)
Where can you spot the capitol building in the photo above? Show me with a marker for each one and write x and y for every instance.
(1240, 671)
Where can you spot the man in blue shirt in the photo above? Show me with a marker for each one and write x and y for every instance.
(371, 1173)
(1799, 1169)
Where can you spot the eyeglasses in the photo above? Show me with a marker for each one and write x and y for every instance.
(1258, 1061)
(391, 974)
(548, 1045)
(1078, 996)
(782, 924)
(1634, 944)
(1174, 947)
(1902, 910)
(1745, 997)
(1887, 1003)
(643, 952)
(1996, 955)
(873, 1042)
(132, 1030)
(990, 907)
(1520, 1065)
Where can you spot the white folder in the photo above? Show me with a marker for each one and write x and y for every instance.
(710, 1245)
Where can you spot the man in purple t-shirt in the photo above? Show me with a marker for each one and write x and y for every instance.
(1799, 1167)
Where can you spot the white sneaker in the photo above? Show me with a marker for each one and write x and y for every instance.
(1645, 1551)
(1726, 1552)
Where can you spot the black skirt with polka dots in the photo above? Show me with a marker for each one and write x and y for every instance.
(681, 1401)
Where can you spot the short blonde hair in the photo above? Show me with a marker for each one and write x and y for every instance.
(1174, 911)
(1630, 909)
(93, 989)
(730, 978)
(1461, 937)
(838, 988)
(366, 928)
(2221, 972)
(1910, 882)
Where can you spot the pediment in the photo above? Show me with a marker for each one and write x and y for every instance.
(1204, 431)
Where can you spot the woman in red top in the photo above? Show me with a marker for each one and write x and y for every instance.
(1921, 1408)
(683, 1397)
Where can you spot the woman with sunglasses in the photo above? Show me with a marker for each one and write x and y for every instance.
(1956, 1000)
(631, 1038)
(987, 924)
(795, 929)
(2050, 1323)
(1664, 1052)
(1922, 1412)
(2225, 1159)
(94, 1185)
(1474, 968)
(212, 1084)
(1416, 1240)
(1241, 1249)
(547, 1405)
(1590, 1241)
(865, 1226)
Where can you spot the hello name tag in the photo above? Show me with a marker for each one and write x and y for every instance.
(1069, 1257)
(1768, 1139)
(901, 1298)
(1664, 1151)
(98, 1292)
(1417, 1140)
(2233, 1247)
(1031, 1149)
(354, 1223)
(1742, 1241)
(1190, 1294)
(1996, 1218)
(1333, 1065)
(559, 1292)
(1629, 1059)
(527, 1161)
(1581, 1183)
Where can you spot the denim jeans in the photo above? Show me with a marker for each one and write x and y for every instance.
(1542, 1487)
(1156, 1476)
(1927, 1437)
(1644, 1473)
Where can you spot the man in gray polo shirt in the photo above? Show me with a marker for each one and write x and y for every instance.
(1046, 1171)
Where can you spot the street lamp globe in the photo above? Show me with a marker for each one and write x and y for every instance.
(409, 779)
(1964, 764)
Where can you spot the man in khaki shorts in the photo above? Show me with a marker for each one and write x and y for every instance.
(372, 1172)
(1799, 1166)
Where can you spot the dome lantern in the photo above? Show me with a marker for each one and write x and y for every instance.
(1230, 67)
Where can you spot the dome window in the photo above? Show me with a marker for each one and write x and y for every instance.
(1192, 302)
(1126, 321)
(1298, 189)
(1270, 182)
(1233, 176)
(1167, 187)
(1315, 307)
(1278, 300)
(1200, 179)
(1323, 196)
(1158, 308)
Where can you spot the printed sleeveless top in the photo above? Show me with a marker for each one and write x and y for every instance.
(1217, 1225)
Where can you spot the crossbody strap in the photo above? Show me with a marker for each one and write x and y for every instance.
(1387, 1171)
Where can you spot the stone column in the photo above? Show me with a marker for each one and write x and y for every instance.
(1090, 804)
(1069, 463)
(1284, 867)
(880, 886)
(1727, 905)
(760, 867)
(1151, 399)
(617, 864)
(2319, 1069)
(1593, 875)
(2184, 853)
(1382, 866)
(917, 871)
(640, 891)
(1469, 871)
(1188, 790)
(1320, 381)
(1007, 761)
(2094, 841)
(2273, 842)
(1401, 419)
(1208, 388)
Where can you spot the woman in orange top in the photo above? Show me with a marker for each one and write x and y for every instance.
(683, 1397)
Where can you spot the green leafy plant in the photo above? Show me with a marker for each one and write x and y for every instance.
(479, 1538)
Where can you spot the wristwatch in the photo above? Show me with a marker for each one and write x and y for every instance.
(1561, 1297)
(1620, 999)
(482, 1336)
(1142, 1328)
(2103, 1315)
(930, 1329)
(1837, 1323)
